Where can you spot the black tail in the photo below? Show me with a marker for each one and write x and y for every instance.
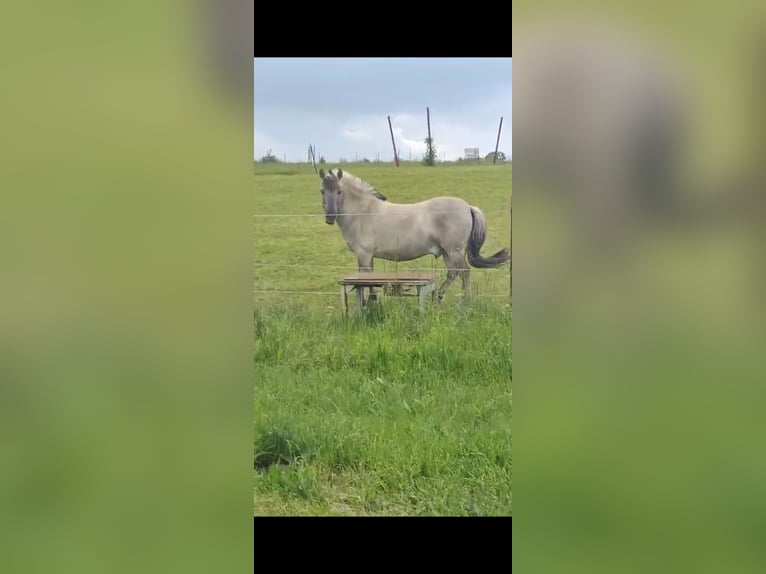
(476, 240)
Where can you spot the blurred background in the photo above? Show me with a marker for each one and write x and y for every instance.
(639, 324)
(126, 287)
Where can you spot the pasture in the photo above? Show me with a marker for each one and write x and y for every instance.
(393, 412)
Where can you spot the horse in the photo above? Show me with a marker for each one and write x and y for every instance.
(372, 226)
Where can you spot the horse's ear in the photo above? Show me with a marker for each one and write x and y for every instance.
(321, 173)
(339, 173)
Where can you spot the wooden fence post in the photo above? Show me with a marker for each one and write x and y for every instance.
(393, 143)
(497, 143)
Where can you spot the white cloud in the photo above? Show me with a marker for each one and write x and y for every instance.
(357, 135)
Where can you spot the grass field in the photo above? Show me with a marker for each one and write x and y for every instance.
(393, 412)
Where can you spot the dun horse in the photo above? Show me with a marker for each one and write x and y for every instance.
(445, 227)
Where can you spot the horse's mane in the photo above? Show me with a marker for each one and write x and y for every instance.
(358, 184)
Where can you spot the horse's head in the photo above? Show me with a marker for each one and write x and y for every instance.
(331, 194)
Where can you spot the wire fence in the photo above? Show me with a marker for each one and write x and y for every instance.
(476, 288)
(336, 293)
(384, 266)
(366, 214)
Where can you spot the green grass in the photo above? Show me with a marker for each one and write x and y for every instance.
(394, 412)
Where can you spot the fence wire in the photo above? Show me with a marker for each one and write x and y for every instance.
(382, 268)
(337, 293)
(439, 270)
(365, 214)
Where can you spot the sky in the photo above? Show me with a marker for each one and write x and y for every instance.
(340, 106)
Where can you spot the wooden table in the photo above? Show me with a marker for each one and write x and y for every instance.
(400, 284)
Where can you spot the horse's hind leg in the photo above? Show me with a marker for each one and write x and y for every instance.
(465, 275)
(451, 276)
(455, 263)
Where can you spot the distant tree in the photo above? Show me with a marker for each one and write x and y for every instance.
(500, 156)
(270, 158)
(321, 159)
(430, 156)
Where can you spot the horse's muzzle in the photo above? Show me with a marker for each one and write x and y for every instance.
(329, 219)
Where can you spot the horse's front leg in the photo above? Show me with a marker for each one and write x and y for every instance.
(366, 265)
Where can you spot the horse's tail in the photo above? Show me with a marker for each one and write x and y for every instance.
(476, 240)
